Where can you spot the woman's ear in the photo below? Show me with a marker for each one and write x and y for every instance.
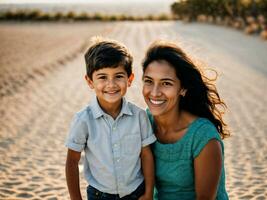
(89, 82)
(130, 79)
(183, 92)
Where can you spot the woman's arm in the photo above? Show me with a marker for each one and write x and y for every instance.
(72, 174)
(208, 166)
(148, 171)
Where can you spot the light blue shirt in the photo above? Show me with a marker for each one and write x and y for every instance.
(112, 147)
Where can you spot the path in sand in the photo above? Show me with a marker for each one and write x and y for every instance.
(42, 86)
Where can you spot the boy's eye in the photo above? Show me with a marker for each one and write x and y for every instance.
(119, 76)
(102, 77)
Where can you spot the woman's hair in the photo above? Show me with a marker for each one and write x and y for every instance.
(201, 98)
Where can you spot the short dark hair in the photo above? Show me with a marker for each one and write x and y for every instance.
(105, 53)
(201, 98)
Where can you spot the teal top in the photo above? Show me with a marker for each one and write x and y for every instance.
(174, 163)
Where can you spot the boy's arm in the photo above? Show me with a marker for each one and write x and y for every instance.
(147, 162)
(72, 174)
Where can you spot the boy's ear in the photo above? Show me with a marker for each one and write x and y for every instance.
(130, 79)
(89, 82)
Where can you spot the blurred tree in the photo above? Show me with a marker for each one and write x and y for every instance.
(230, 8)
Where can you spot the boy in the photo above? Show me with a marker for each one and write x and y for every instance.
(114, 133)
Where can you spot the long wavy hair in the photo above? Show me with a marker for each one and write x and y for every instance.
(201, 98)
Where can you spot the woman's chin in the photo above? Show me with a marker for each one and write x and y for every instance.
(155, 112)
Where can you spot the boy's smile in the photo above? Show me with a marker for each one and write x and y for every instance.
(110, 85)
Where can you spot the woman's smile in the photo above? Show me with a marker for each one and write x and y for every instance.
(161, 88)
(156, 102)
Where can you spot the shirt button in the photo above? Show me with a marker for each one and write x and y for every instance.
(114, 128)
(118, 160)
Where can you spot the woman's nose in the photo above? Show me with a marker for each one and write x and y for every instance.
(155, 91)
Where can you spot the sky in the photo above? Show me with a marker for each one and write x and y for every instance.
(78, 1)
(132, 7)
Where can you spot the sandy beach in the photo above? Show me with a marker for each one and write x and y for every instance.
(42, 86)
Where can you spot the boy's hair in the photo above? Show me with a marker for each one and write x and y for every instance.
(105, 53)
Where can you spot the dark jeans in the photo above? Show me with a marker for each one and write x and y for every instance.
(94, 194)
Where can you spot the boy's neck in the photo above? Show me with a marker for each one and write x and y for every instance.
(112, 109)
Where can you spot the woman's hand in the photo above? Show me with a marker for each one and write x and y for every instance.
(146, 197)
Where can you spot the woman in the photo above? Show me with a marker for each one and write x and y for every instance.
(184, 111)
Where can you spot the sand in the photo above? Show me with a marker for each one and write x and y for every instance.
(42, 86)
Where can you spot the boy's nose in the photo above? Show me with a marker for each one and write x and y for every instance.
(111, 82)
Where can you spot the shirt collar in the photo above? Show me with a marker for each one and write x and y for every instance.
(98, 112)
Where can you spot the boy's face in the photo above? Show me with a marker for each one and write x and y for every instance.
(110, 85)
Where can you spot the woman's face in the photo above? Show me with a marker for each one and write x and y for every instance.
(161, 88)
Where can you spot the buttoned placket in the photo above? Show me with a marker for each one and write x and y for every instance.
(116, 150)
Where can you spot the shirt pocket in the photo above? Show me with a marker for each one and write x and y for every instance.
(132, 144)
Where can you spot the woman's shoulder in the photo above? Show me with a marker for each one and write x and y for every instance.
(201, 124)
(203, 131)
(196, 123)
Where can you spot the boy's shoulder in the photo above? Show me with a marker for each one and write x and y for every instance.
(84, 113)
(134, 108)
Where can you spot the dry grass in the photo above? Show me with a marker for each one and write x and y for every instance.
(38, 15)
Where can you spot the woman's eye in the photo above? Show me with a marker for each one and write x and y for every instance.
(166, 84)
(147, 81)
